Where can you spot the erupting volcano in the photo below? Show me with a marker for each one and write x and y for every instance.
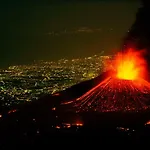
(130, 65)
(124, 90)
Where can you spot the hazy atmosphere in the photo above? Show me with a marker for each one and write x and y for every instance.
(51, 31)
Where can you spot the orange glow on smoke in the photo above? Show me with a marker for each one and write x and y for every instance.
(130, 65)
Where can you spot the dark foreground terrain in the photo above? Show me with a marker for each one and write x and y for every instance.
(55, 129)
(44, 123)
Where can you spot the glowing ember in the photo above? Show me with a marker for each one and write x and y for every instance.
(147, 123)
(12, 111)
(130, 65)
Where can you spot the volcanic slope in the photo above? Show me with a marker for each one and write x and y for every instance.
(113, 95)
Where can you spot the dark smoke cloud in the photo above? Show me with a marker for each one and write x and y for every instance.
(139, 33)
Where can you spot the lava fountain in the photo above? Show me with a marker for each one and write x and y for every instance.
(130, 65)
(125, 90)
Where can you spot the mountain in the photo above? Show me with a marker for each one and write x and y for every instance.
(47, 121)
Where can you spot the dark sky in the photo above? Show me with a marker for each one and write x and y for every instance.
(50, 30)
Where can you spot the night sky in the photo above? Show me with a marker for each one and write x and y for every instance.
(50, 30)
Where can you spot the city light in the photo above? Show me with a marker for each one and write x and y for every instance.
(26, 83)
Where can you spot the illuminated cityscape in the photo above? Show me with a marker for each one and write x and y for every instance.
(27, 82)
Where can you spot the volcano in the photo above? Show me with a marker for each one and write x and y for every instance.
(125, 90)
(115, 95)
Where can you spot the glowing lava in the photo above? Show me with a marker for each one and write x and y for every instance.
(114, 95)
(127, 91)
(130, 65)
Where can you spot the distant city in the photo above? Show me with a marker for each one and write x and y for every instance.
(22, 83)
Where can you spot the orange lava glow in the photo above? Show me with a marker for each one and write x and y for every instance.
(12, 111)
(130, 65)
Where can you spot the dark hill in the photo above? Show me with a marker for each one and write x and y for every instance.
(43, 122)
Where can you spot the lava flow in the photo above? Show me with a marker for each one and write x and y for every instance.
(125, 90)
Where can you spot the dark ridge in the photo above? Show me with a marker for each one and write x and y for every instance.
(79, 89)
(34, 124)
